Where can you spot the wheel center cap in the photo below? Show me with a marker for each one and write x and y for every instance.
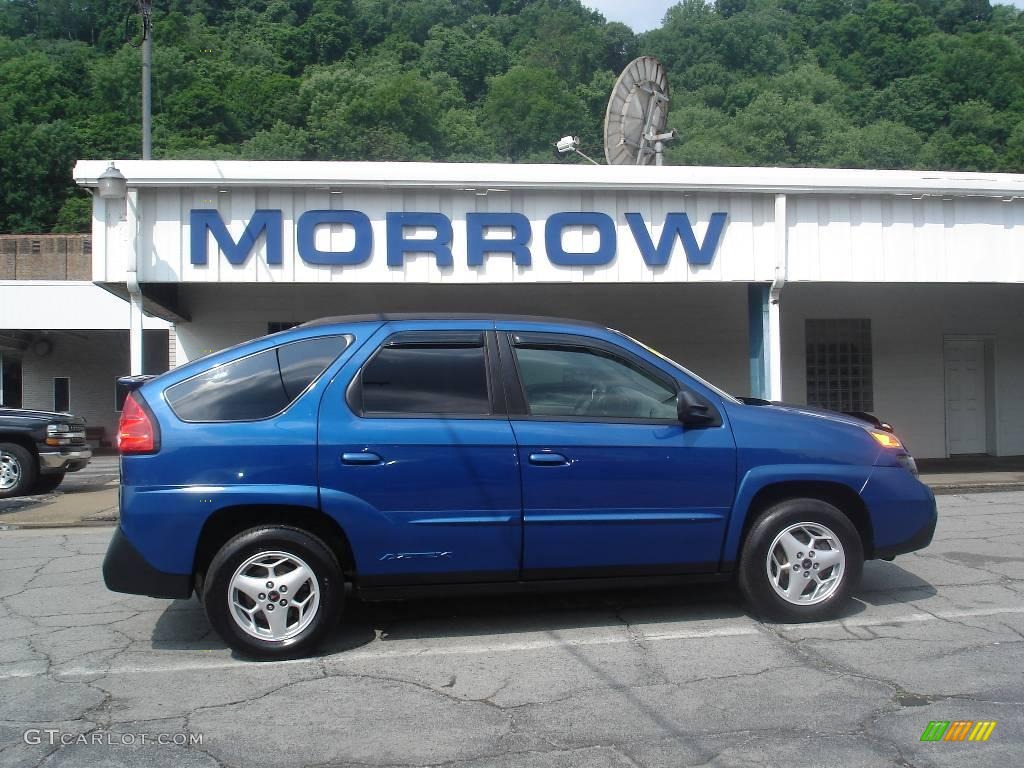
(806, 564)
(274, 596)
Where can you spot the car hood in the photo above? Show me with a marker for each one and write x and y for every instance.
(21, 413)
(808, 410)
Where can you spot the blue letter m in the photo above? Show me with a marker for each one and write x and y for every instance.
(202, 220)
(677, 225)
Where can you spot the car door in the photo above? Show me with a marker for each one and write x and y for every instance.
(417, 458)
(612, 481)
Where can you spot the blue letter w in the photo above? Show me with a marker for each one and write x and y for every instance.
(677, 225)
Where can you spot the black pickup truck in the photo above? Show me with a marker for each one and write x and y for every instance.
(37, 448)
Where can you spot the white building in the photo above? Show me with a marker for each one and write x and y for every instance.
(894, 292)
(63, 339)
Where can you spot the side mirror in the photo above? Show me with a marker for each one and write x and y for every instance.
(691, 411)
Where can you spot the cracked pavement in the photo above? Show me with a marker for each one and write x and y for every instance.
(657, 677)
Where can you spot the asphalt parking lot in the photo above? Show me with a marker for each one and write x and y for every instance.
(665, 677)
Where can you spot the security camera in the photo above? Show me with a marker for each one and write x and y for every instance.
(567, 144)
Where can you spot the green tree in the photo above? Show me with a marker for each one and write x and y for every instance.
(279, 142)
(879, 145)
(75, 214)
(866, 83)
(468, 59)
(528, 109)
(36, 161)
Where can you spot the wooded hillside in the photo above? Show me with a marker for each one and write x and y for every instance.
(841, 83)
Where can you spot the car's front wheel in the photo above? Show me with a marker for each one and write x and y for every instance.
(17, 470)
(801, 561)
(273, 592)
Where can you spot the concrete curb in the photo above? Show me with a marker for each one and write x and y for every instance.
(24, 526)
(940, 489)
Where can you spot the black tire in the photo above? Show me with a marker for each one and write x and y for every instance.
(48, 483)
(754, 581)
(296, 543)
(20, 465)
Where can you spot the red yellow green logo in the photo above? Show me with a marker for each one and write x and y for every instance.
(958, 730)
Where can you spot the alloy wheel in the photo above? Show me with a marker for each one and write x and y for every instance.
(273, 596)
(10, 471)
(806, 563)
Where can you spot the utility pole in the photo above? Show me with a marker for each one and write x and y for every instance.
(146, 10)
(135, 299)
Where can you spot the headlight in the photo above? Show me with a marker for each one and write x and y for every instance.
(57, 435)
(907, 462)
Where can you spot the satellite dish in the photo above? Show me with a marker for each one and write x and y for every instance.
(634, 125)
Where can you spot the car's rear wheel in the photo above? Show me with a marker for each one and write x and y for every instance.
(801, 561)
(273, 592)
(17, 470)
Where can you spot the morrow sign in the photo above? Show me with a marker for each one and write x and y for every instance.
(515, 240)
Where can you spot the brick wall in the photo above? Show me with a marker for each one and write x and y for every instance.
(46, 257)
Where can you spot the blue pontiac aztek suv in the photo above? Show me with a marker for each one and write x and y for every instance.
(406, 454)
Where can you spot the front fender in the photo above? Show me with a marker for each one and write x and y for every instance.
(854, 477)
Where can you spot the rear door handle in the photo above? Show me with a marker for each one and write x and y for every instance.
(548, 459)
(361, 458)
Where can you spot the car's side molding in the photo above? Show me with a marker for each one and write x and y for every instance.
(847, 479)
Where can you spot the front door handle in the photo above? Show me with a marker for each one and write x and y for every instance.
(548, 459)
(361, 458)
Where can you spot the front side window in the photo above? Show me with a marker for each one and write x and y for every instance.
(585, 381)
(257, 386)
(414, 374)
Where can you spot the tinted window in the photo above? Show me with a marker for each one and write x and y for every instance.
(256, 386)
(303, 361)
(579, 381)
(427, 377)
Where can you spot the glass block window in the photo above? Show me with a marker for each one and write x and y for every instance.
(839, 371)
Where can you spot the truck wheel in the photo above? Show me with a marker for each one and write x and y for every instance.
(801, 561)
(273, 592)
(17, 470)
(47, 483)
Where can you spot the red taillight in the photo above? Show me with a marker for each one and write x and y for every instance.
(137, 431)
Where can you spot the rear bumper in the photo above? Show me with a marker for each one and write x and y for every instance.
(125, 570)
(70, 460)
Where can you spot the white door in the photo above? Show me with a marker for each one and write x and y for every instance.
(965, 395)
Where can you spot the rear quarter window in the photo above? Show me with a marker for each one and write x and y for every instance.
(256, 386)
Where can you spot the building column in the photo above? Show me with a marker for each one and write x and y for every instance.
(135, 322)
(135, 333)
(763, 307)
(758, 312)
(773, 338)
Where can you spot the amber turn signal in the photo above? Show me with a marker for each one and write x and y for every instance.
(885, 439)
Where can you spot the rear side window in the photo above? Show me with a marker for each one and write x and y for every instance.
(303, 361)
(414, 374)
(257, 386)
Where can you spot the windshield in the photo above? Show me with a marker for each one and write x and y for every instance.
(720, 392)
